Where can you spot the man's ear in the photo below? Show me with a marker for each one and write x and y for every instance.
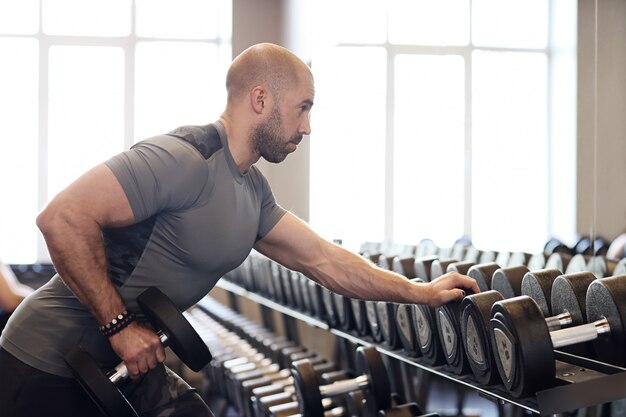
(258, 95)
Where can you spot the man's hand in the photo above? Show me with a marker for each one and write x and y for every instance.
(139, 347)
(449, 287)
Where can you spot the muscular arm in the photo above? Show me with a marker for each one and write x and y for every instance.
(72, 227)
(292, 243)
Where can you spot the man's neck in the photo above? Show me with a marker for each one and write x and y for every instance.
(238, 143)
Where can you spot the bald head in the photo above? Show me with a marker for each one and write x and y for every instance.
(265, 64)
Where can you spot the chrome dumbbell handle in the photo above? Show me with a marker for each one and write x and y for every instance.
(120, 372)
(344, 387)
(579, 334)
(559, 321)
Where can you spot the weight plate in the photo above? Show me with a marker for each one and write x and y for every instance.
(294, 278)
(427, 341)
(523, 338)
(447, 334)
(487, 257)
(569, 293)
(373, 321)
(508, 281)
(537, 261)
(317, 304)
(472, 254)
(482, 274)
(360, 316)
(387, 317)
(606, 298)
(439, 267)
(449, 331)
(370, 363)
(503, 258)
(182, 338)
(460, 267)
(307, 390)
(518, 259)
(306, 297)
(538, 286)
(343, 308)
(475, 332)
(422, 267)
(557, 261)
(578, 263)
(97, 385)
(406, 329)
(598, 266)
(329, 307)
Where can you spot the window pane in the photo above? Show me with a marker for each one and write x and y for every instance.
(177, 83)
(509, 150)
(86, 110)
(19, 16)
(350, 21)
(19, 107)
(86, 17)
(348, 145)
(182, 19)
(510, 23)
(429, 148)
(427, 22)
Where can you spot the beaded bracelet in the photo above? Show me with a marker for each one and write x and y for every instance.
(118, 324)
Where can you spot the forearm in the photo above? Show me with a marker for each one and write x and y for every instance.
(352, 275)
(77, 251)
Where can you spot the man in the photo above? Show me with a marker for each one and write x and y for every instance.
(178, 211)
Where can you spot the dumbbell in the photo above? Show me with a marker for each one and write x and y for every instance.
(173, 330)
(280, 392)
(243, 385)
(373, 380)
(525, 345)
(407, 328)
(567, 306)
(448, 327)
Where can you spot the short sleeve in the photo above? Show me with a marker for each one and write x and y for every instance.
(271, 212)
(160, 174)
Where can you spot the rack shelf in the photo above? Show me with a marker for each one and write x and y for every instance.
(607, 383)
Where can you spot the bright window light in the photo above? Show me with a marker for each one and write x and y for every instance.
(427, 22)
(87, 17)
(19, 85)
(347, 146)
(168, 94)
(181, 19)
(509, 150)
(19, 17)
(429, 148)
(86, 116)
(510, 23)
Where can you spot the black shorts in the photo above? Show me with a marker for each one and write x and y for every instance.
(26, 391)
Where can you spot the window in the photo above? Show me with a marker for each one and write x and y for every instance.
(87, 79)
(437, 121)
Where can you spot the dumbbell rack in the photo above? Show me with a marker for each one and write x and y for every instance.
(602, 383)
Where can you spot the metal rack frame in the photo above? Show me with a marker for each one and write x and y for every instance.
(608, 384)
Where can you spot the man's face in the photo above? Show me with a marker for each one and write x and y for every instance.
(287, 123)
(269, 138)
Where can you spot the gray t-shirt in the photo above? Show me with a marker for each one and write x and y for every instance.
(197, 217)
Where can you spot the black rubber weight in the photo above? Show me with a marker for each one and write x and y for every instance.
(182, 337)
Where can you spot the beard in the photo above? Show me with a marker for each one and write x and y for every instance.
(267, 139)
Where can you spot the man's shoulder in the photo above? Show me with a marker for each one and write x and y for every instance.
(205, 139)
